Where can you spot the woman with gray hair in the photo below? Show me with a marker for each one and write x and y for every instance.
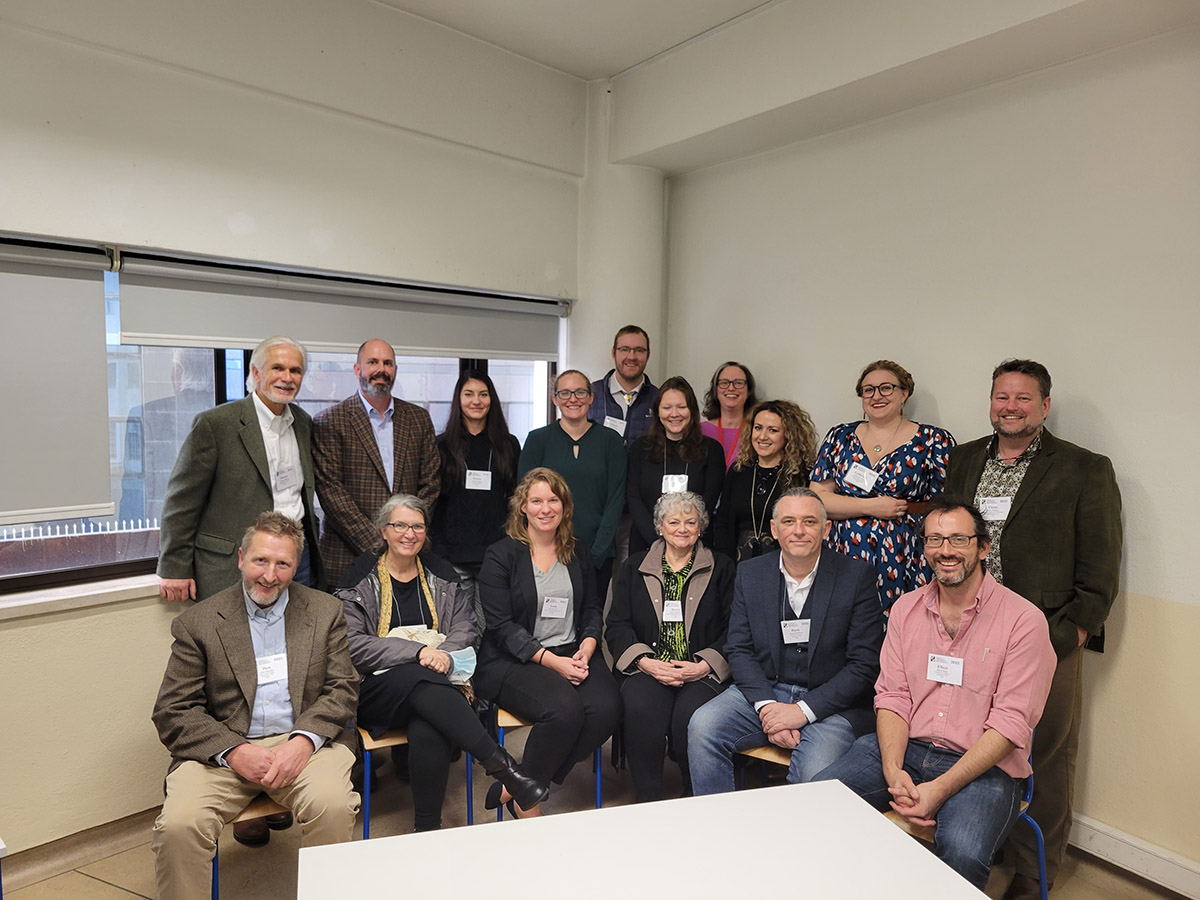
(412, 633)
(666, 631)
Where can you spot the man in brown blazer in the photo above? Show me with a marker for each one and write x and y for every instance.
(259, 695)
(368, 447)
(1053, 510)
(239, 459)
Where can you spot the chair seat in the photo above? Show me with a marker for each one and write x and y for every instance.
(391, 739)
(770, 753)
(260, 806)
(920, 832)
(505, 719)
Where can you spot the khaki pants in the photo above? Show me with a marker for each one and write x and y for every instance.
(1055, 746)
(201, 799)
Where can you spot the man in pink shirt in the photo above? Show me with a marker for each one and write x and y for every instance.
(964, 674)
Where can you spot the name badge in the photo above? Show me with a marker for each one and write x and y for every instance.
(479, 480)
(617, 425)
(795, 631)
(995, 509)
(674, 484)
(862, 477)
(287, 478)
(673, 611)
(555, 607)
(945, 669)
(271, 668)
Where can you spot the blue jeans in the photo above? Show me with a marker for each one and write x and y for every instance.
(970, 825)
(728, 723)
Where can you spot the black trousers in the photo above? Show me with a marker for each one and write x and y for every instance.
(569, 721)
(652, 712)
(438, 719)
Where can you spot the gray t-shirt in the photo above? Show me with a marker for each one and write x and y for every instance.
(555, 583)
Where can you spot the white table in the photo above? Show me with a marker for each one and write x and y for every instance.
(832, 844)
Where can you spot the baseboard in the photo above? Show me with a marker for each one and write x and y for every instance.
(77, 850)
(1153, 863)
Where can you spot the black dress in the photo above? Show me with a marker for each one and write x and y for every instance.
(643, 486)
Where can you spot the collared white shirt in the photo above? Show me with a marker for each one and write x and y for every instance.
(797, 591)
(619, 393)
(381, 427)
(797, 594)
(283, 459)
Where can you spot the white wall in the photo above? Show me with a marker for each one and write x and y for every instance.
(343, 136)
(1055, 216)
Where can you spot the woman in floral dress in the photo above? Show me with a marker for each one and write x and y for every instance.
(876, 476)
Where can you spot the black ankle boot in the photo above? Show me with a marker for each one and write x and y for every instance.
(527, 792)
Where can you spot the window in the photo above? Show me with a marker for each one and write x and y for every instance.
(154, 391)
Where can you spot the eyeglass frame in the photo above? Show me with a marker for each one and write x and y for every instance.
(725, 384)
(579, 394)
(868, 390)
(400, 528)
(957, 541)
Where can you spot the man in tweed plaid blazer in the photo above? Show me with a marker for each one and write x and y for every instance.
(368, 447)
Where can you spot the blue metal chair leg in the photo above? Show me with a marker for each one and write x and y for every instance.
(366, 794)
(500, 741)
(1040, 840)
(216, 880)
(597, 765)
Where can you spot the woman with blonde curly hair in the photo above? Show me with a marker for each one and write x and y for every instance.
(876, 476)
(774, 455)
(542, 626)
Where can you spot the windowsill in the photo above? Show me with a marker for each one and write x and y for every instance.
(77, 596)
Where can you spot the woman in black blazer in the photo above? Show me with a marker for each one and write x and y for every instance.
(666, 631)
(543, 620)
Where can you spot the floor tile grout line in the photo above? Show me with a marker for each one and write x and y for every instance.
(110, 884)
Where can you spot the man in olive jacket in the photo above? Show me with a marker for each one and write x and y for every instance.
(1054, 513)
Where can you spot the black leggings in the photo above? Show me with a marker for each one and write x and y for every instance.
(569, 721)
(438, 719)
(652, 711)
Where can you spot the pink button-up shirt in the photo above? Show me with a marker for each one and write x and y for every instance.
(1008, 663)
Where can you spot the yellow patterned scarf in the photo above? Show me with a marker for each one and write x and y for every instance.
(385, 596)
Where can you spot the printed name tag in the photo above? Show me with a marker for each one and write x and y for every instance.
(674, 484)
(995, 509)
(945, 669)
(862, 477)
(287, 478)
(795, 631)
(479, 480)
(673, 611)
(555, 607)
(271, 668)
(617, 425)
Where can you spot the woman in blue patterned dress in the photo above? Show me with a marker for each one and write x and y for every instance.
(876, 477)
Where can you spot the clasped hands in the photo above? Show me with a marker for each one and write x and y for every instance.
(675, 673)
(435, 660)
(781, 723)
(918, 803)
(272, 767)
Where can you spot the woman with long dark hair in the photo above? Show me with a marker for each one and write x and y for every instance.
(479, 472)
(671, 458)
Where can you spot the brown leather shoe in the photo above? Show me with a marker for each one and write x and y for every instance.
(1023, 887)
(253, 833)
(279, 821)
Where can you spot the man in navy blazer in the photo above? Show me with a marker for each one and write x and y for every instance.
(804, 639)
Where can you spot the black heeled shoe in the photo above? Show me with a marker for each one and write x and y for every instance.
(527, 792)
(493, 799)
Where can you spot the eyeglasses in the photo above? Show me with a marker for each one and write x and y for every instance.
(405, 528)
(885, 390)
(578, 394)
(934, 541)
(636, 351)
(727, 383)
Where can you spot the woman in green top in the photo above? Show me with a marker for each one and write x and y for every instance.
(591, 459)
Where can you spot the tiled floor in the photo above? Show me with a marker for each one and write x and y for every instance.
(269, 873)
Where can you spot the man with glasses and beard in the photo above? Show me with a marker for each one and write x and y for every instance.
(366, 448)
(964, 674)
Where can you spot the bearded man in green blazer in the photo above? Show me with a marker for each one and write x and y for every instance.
(1054, 513)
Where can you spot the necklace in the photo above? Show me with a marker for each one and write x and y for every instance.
(878, 448)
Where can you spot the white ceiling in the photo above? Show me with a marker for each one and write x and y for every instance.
(586, 38)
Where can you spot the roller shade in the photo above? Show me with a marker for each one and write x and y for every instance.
(178, 304)
(54, 456)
